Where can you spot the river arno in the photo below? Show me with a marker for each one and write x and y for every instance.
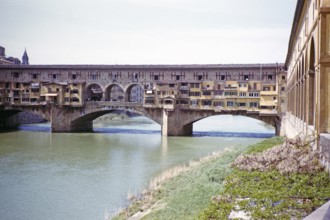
(81, 176)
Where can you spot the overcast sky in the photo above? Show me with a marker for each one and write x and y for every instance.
(147, 31)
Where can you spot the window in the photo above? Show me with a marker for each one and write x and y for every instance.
(206, 92)
(177, 77)
(74, 76)
(230, 104)
(184, 102)
(223, 77)
(230, 93)
(194, 94)
(194, 102)
(156, 77)
(242, 94)
(195, 85)
(254, 94)
(149, 101)
(200, 77)
(34, 76)
(242, 104)
(283, 77)
(218, 92)
(74, 99)
(217, 103)
(16, 74)
(246, 77)
(54, 76)
(207, 102)
(253, 104)
(171, 85)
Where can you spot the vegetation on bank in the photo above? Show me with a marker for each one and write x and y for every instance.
(182, 192)
(283, 182)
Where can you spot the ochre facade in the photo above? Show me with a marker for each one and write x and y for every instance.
(308, 68)
(173, 90)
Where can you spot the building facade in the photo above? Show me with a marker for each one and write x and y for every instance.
(252, 87)
(308, 67)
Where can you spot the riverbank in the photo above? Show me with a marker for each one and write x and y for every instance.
(185, 192)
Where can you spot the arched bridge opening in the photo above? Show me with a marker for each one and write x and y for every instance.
(12, 118)
(181, 122)
(232, 125)
(82, 120)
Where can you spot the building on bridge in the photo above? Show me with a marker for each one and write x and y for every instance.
(210, 87)
(174, 96)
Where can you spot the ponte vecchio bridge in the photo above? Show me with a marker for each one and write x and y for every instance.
(174, 96)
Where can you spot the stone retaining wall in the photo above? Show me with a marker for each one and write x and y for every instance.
(324, 144)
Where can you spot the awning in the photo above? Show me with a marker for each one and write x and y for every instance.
(35, 85)
(49, 94)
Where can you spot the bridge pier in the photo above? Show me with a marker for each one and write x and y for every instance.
(172, 123)
(61, 120)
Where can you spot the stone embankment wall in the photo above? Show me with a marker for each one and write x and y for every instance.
(324, 144)
(29, 118)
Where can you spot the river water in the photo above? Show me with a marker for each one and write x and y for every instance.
(88, 176)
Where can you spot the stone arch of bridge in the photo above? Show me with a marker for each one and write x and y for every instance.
(94, 92)
(8, 117)
(84, 122)
(138, 91)
(197, 116)
(114, 92)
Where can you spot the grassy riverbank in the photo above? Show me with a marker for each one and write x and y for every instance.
(185, 192)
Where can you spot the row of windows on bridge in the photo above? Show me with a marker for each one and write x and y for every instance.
(158, 76)
(209, 93)
(208, 103)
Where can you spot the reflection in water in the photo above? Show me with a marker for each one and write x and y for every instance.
(47, 175)
(164, 146)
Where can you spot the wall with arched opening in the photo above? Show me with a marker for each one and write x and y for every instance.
(114, 92)
(94, 92)
(134, 93)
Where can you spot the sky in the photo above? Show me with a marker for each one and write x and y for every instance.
(147, 31)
